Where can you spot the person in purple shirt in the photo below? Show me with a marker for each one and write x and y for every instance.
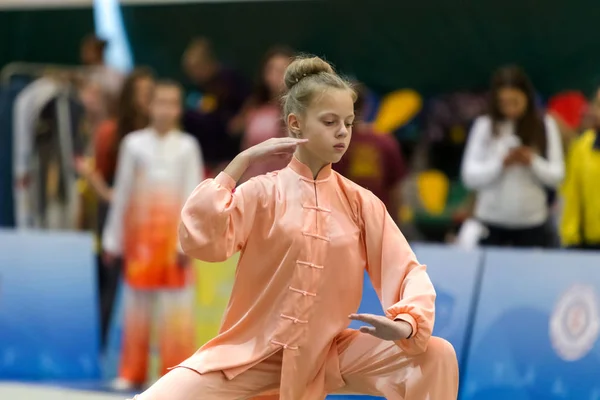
(221, 93)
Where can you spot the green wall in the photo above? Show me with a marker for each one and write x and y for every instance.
(29, 35)
(433, 45)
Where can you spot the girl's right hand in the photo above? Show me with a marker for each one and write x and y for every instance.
(276, 147)
(273, 147)
(108, 259)
(511, 158)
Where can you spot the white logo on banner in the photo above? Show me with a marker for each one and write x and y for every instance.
(575, 323)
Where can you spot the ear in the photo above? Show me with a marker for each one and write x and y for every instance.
(293, 123)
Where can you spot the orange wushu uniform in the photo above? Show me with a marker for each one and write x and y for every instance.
(155, 173)
(304, 247)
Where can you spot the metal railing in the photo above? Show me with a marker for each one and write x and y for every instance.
(27, 206)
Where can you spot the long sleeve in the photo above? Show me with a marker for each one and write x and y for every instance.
(112, 237)
(570, 223)
(482, 162)
(550, 171)
(216, 220)
(401, 282)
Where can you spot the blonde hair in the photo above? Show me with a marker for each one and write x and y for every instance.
(306, 77)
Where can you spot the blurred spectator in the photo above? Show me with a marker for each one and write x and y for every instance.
(98, 108)
(260, 119)
(513, 155)
(374, 161)
(131, 115)
(158, 168)
(580, 224)
(92, 56)
(96, 105)
(448, 118)
(219, 96)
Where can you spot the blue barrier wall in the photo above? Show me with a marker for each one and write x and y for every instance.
(536, 328)
(525, 324)
(48, 312)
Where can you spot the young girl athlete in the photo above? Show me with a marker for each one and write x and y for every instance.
(306, 235)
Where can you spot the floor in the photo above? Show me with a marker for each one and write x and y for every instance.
(19, 391)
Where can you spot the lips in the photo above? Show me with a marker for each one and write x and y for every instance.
(340, 146)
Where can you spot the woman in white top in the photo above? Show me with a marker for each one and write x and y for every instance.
(513, 159)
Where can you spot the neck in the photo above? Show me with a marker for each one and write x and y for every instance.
(162, 129)
(310, 161)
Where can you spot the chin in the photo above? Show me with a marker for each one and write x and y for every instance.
(336, 158)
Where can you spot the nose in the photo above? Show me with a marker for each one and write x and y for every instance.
(343, 132)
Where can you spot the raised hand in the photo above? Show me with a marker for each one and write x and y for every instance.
(276, 147)
(273, 147)
(183, 261)
(525, 155)
(383, 327)
(511, 158)
(109, 259)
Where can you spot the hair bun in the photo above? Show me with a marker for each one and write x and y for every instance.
(303, 67)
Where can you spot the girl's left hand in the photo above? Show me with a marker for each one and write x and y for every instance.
(82, 167)
(383, 327)
(183, 260)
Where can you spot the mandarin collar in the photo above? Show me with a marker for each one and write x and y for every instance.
(306, 174)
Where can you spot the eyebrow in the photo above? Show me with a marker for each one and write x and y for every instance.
(329, 113)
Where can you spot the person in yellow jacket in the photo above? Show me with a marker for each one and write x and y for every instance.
(580, 223)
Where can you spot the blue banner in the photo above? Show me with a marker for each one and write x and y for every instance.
(536, 328)
(48, 307)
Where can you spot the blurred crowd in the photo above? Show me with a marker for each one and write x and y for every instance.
(504, 167)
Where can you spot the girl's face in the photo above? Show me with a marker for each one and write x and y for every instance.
(512, 103)
(165, 107)
(274, 72)
(327, 124)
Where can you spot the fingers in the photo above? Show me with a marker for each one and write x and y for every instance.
(287, 140)
(287, 147)
(292, 140)
(368, 329)
(283, 154)
(368, 318)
